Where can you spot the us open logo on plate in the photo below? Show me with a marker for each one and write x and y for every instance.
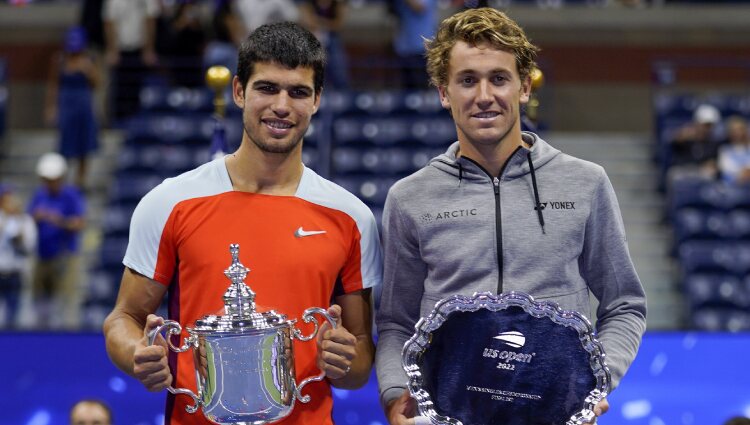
(514, 339)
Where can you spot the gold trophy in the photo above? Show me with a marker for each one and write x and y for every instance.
(532, 108)
(218, 78)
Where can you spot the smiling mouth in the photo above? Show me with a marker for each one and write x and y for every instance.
(278, 125)
(486, 115)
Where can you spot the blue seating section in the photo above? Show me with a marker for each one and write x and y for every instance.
(711, 223)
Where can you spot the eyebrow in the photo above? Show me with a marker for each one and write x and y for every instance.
(492, 71)
(260, 83)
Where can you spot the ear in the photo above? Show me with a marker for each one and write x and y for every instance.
(316, 105)
(238, 93)
(444, 99)
(525, 89)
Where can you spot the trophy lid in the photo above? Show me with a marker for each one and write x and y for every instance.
(239, 306)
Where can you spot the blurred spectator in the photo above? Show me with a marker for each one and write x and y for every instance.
(182, 44)
(228, 34)
(92, 23)
(130, 34)
(325, 19)
(254, 13)
(417, 20)
(734, 157)
(58, 210)
(90, 412)
(69, 104)
(17, 243)
(738, 420)
(695, 146)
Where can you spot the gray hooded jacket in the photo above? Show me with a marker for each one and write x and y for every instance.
(451, 228)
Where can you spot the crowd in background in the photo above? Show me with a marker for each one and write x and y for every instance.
(712, 147)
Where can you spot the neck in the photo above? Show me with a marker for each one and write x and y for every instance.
(494, 156)
(256, 171)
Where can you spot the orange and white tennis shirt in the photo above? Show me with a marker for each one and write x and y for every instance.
(301, 251)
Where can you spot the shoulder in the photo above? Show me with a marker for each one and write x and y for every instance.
(416, 183)
(582, 166)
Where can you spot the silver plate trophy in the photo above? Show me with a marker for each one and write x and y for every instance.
(505, 359)
(244, 360)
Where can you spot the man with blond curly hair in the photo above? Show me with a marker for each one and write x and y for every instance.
(529, 217)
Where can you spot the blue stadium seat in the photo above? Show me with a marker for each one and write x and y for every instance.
(103, 285)
(348, 129)
(378, 102)
(159, 98)
(738, 224)
(717, 290)
(113, 251)
(347, 160)
(434, 131)
(422, 156)
(720, 319)
(706, 256)
(695, 223)
(370, 189)
(336, 102)
(423, 102)
(700, 192)
(394, 161)
(387, 131)
(130, 187)
(173, 128)
(116, 219)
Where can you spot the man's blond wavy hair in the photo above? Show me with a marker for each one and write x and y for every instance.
(478, 26)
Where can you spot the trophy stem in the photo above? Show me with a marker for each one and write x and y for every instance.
(239, 299)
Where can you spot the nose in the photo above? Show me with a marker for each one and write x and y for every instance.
(484, 95)
(281, 104)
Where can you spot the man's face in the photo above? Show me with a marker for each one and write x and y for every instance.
(484, 93)
(53, 185)
(277, 105)
(89, 414)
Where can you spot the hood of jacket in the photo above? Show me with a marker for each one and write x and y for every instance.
(516, 166)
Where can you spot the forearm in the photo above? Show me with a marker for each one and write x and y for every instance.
(392, 379)
(621, 337)
(361, 366)
(122, 333)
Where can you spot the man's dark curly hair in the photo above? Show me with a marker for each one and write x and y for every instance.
(284, 43)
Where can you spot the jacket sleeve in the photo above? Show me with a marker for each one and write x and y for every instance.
(609, 272)
(403, 285)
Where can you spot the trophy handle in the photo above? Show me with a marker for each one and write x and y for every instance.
(308, 317)
(174, 328)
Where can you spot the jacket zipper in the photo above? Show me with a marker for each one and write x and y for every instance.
(499, 231)
(498, 216)
(498, 220)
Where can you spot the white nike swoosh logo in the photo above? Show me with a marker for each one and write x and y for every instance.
(300, 233)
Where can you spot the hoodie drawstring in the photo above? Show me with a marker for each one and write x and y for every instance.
(460, 173)
(538, 208)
